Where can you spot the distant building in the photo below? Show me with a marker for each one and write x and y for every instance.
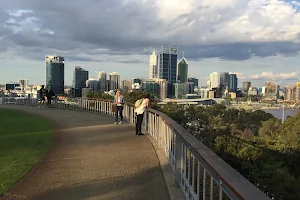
(24, 83)
(152, 87)
(211, 94)
(11, 86)
(80, 77)
(102, 77)
(204, 93)
(246, 86)
(153, 66)
(93, 84)
(163, 88)
(224, 81)
(189, 87)
(288, 94)
(182, 70)
(136, 83)
(214, 80)
(180, 89)
(296, 92)
(55, 73)
(85, 92)
(168, 64)
(272, 90)
(126, 86)
(193, 80)
(114, 79)
(233, 83)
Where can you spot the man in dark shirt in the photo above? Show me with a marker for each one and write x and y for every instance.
(42, 95)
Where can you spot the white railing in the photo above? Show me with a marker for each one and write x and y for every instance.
(199, 172)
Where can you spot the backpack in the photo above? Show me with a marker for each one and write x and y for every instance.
(138, 103)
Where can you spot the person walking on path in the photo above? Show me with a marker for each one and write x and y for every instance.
(49, 96)
(42, 93)
(119, 105)
(140, 106)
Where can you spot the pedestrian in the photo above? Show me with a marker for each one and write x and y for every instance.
(119, 105)
(42, 96)
(140, 106)
(49, 96)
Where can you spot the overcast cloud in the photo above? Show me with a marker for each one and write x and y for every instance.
(126, 31)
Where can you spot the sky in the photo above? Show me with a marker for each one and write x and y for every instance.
(257, 39)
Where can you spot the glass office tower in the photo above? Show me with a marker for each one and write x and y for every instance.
(182, 70)
(79, 80)
(168, 64)
(55, 73)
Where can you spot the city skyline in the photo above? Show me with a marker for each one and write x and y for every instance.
(244, 37)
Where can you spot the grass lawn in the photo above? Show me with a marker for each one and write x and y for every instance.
(24, 139)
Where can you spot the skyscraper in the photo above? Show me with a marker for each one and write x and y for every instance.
(224, 81)
(246, 86)
(194, 80)
(55, 73)
(153, 66)
(102, 76)
(233, 83)
(93, 84)
(168, 63)
(23, 83)
(214, 80)
(114, 81)
(79, 80)
(182, 70)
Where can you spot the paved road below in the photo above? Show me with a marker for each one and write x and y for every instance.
(92, 159)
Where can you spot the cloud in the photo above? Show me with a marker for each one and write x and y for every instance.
(268, 76)
(233, 30)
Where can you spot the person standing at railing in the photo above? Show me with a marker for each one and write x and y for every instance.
(140, 106)
(42, 93)
(119, 105)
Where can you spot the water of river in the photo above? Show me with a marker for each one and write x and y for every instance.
(278, 112)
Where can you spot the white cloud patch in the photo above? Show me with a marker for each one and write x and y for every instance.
(268, 76)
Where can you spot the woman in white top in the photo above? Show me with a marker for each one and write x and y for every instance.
(119, 103)
(140, 115)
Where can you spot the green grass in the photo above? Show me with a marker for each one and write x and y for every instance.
(24, 139)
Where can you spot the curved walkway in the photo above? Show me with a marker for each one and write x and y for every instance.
(91, 159)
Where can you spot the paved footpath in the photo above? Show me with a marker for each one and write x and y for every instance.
(91, 160)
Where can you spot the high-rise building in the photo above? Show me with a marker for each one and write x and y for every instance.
(102, 76)
(79, 80)
(55, 73)
(296, 92)
(272, 90)
(114, 81)
(93, 84)
(194, 80)
(168, 64)
(180, 89)
(189, 87)
(24, 83)
(246, 86)
(214, 80)
(224, 81)
(204, 93)
(126, 86)
(163, 88)
(182, 70)
(288, 93)
(233, 83)
(153, 66)
(152, 87)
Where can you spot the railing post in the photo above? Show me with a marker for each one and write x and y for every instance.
(178, 160)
